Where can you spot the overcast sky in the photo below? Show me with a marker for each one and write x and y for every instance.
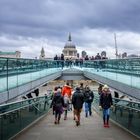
(27, 25)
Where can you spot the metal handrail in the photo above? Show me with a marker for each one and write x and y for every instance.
(26, 100)
(21, 107)
(135, 109)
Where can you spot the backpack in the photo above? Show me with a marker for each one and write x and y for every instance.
(88, 96)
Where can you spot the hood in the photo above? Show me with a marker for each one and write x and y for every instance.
(58, 94)
(68, 87)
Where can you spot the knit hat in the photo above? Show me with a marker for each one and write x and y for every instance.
(105, 87)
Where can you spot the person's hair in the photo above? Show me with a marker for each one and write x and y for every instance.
(105, 87)
(55, 89)
(67, 84)
(81, 84)
(59, 90)
(77, 88)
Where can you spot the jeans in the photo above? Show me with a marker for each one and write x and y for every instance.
(106, 113)
(88, 108)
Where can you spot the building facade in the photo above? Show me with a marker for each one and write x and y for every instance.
(103, 54)
(124, 55)
(83, 54)
(16, 54)
(69, 50)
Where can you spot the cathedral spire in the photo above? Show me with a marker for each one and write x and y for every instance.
(42, 51)
(69, 39)
(42, 55)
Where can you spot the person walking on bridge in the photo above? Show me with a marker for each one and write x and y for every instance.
(67, 90)
(106, 103)
(77, 101)
(88, 97)
(58, 103)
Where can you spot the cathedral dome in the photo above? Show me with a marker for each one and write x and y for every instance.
(69, 43)
(69, 50)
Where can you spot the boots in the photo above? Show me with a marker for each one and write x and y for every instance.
(104, 121)
(107, 121)
(86, 115)
(55, 122)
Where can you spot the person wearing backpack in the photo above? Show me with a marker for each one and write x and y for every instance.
(88, 98)
(77, 101)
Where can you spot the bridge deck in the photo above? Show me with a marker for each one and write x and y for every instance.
(91, 129)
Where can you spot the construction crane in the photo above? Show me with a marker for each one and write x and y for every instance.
(116, 48)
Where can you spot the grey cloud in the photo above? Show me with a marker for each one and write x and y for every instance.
(53, 17)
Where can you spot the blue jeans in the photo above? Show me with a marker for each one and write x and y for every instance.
(106, 113)
(88, 108)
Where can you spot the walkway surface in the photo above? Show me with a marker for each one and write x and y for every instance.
(91, 128)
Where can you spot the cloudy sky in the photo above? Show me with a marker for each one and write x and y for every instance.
(27, 25)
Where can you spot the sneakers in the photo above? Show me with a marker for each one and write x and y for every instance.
(77, 123)
(55, 122)
(65, 118)
(107, 125)
(90, 114)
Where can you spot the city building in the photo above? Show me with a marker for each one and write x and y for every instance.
(132, 56)
(42, 55)
(103, 54)
(124, 55)
(78, 55)
(16, 54)
(69, 50)
(84, 54)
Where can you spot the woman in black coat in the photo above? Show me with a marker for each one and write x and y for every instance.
(58, 104)
(106, 103)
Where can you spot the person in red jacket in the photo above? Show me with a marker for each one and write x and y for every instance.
(67, 90)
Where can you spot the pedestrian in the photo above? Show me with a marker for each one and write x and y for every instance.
(106, 103)
(54, 92)
(66, 106)
(67, 90)
(77, 101)
(100, 89)
(82, 87)
(88, 98)
(58, 103)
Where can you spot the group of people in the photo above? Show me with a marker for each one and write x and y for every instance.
(63, 100)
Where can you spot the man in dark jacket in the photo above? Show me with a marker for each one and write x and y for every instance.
(106, 103)
(88, 97)
(77, 101)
